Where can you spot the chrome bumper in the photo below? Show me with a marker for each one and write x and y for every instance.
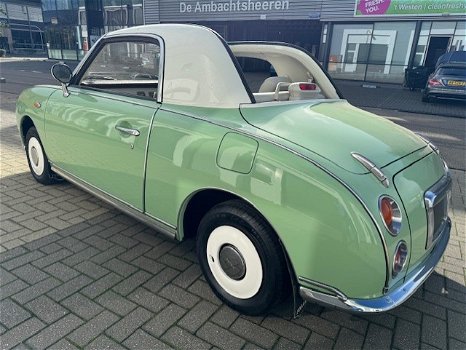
(394, 298)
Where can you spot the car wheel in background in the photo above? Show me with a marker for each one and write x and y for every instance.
(37, 159)
(241, 258)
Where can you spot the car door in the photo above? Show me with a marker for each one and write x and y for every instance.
(99, 132)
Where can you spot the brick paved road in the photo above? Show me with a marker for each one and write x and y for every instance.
(75, 273)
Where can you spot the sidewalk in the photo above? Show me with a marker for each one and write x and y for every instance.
(389, 96)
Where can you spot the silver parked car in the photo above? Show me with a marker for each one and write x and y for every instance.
(447, 81)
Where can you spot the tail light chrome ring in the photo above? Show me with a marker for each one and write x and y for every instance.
(400, 258)
(391, 214)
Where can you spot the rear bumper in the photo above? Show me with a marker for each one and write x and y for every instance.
(395, 297)
(446, 93)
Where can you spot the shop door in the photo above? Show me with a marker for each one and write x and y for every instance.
(437, 47)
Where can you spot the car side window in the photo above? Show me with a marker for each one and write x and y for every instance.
(126, 67)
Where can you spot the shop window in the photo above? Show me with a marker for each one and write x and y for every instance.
(443, 28)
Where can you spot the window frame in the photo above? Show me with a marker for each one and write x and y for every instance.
(122, 38)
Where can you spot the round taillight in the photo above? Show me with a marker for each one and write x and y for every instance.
(400, 257)
(391, 214)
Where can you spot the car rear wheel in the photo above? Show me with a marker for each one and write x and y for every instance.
(241, 258)
(37, 159)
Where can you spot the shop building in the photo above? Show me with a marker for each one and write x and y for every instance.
(367, 40)
(21, 27)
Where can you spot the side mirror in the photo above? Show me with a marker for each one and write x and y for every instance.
(63, 74)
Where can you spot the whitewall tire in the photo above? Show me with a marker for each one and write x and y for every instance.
(241, 258)
(37, 159)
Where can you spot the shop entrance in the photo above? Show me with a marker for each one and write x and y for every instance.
(438, 45)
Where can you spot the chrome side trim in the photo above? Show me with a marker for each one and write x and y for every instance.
(429, 143)
(344, 184)
(394, 298)
(157, 224)
(372, 168)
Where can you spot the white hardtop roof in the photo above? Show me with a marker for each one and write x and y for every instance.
(198, 68)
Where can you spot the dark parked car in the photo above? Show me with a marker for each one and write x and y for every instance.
(452, 57)
(447, 81)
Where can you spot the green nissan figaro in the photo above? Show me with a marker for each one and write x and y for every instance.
(286, 188)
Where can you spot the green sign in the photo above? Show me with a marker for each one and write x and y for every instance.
(374, 8)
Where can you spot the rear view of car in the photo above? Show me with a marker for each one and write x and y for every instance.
(447, 81)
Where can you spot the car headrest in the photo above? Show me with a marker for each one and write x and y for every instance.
(270, 84)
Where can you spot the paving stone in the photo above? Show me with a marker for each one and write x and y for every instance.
(187, 277)
(286, 329)
(61, 271)
(90, 330)
(349, 339)
(179, 296)
(142, 340)
(407, 335)
(123, 241)
(20, 333)
(148, 300)
(128, 324)
(54, 332)
(50, 248)
(12, 288)
(91, 269)
(22, 260)
(454, 344)
(434, 331)
(132, 282)
(104, 343)
(62, 345)
(457, 325)
(285, 344)
(254, 333)
(225, 316)
(36, 290)
(160, 249)
(100, 286)
(181, 339)
(318, 324)
(427, 308)
(99, 243)
(203, 290)
(164, 320)
(220, 337)
(317, 341)
(120, 267)
(12, 314)
(346, 319)
(407, 314)
(108, 255)
(198, 315)
(149, 238)
(134, 252)
(6, 277)
(70, 287)
(82, 306)
(43, 243)
(378, 337)
(72, 244)
(50, 259)
(30, 274)
(46, 309)
(148, 264)
(174, 262)
(83, 255)
(116, 303)
(161, 279)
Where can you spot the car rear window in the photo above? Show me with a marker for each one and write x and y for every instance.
(457, 72)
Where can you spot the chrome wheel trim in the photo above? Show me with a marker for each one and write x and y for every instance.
(247, 286)
(36, 156)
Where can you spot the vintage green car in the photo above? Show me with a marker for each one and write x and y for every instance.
(286, 187)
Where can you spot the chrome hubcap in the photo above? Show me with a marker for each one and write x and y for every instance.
(232, 262)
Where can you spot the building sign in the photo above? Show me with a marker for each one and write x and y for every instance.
(233, 6)
(374, 8)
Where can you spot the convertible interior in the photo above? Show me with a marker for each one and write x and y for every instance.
(282, 73)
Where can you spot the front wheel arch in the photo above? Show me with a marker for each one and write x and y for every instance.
(25, 125)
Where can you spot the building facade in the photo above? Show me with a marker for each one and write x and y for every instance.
(367, 40)
(21, 27)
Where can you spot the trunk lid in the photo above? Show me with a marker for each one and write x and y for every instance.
(333, 129)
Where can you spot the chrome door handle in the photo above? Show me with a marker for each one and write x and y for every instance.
(132, 132)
